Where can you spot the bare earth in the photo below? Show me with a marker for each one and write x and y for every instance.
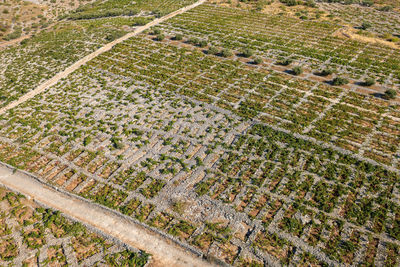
(164, 253)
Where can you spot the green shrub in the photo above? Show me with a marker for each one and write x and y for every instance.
(285, 62)
(212, 51)
(226, 53)
(390, 94)
(325, 72)
(366, 25)
(297, 70)
(339, 81)
(156, 32)
(367, 3)
(258, 60)
(159, 37)
(386, 8)
(202, 43)
(193, 41)
(178, 37)
(369, 81)
(247, 52)
(289, 2)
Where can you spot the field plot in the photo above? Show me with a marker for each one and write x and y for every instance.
(113, 8)
(31, 235)
(277, 38)
(362, 124)
(236, 190)
(381, 22)
(41, 57)
(20, 17)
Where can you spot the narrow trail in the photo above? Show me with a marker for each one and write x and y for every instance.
(52, 81)
(164, 252)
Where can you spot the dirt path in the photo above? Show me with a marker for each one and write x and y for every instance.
(164, 252)
(41, 88)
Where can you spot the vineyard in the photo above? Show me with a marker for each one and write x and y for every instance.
(252, 138)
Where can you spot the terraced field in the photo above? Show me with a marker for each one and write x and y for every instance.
(251, 138)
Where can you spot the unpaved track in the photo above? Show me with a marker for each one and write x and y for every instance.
(164, 252)
(41, 88)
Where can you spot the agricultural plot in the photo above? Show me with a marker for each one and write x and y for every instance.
(113, 8)
(375, 20)
(41, 57)
(278, 38)
(233, 189)
(31, 235)
(19, 18)
(365, 125)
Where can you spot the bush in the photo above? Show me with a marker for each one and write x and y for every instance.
(285, 62)
(178, 37)
(87, 140)
(114, 35)
(158, 13)
(257, 60)
(365, 25)
(325, 72)
(156, 32)
(202, 43)
(367, 3)
(212, 51)
(310, 3)
(193, 41)
(289, 2)
(390, 94)
(297, 70)
(226, 53)
(369, 82)
(247, 52)
(139, 21)
(386, 8)
(339, 81)
(159, 37)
